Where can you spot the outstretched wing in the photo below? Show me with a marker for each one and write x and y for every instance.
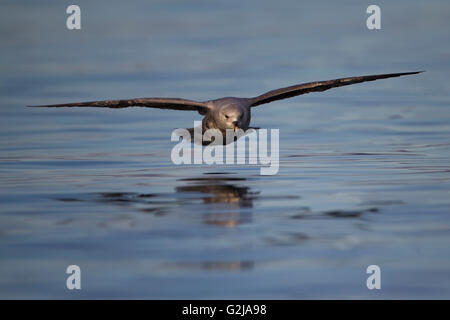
(161, 103)
(299, 89)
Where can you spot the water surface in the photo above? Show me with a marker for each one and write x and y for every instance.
(364, 170)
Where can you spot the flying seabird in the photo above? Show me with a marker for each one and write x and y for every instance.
(229, 112)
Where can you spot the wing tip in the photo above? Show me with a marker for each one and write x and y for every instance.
(416, 72)
(411, 72)
(44, 106)
(402, 73)
(47, 106)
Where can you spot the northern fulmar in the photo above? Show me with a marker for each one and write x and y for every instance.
(229, 112)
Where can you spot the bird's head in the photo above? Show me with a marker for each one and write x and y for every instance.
(232, 116)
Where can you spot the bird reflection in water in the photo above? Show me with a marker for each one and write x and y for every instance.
(220, 200)
(226, 199)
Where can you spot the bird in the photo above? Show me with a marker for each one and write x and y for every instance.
(229, 113)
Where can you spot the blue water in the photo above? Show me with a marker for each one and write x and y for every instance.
(364, 172)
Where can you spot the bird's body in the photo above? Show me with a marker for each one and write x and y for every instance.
(230, 112)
